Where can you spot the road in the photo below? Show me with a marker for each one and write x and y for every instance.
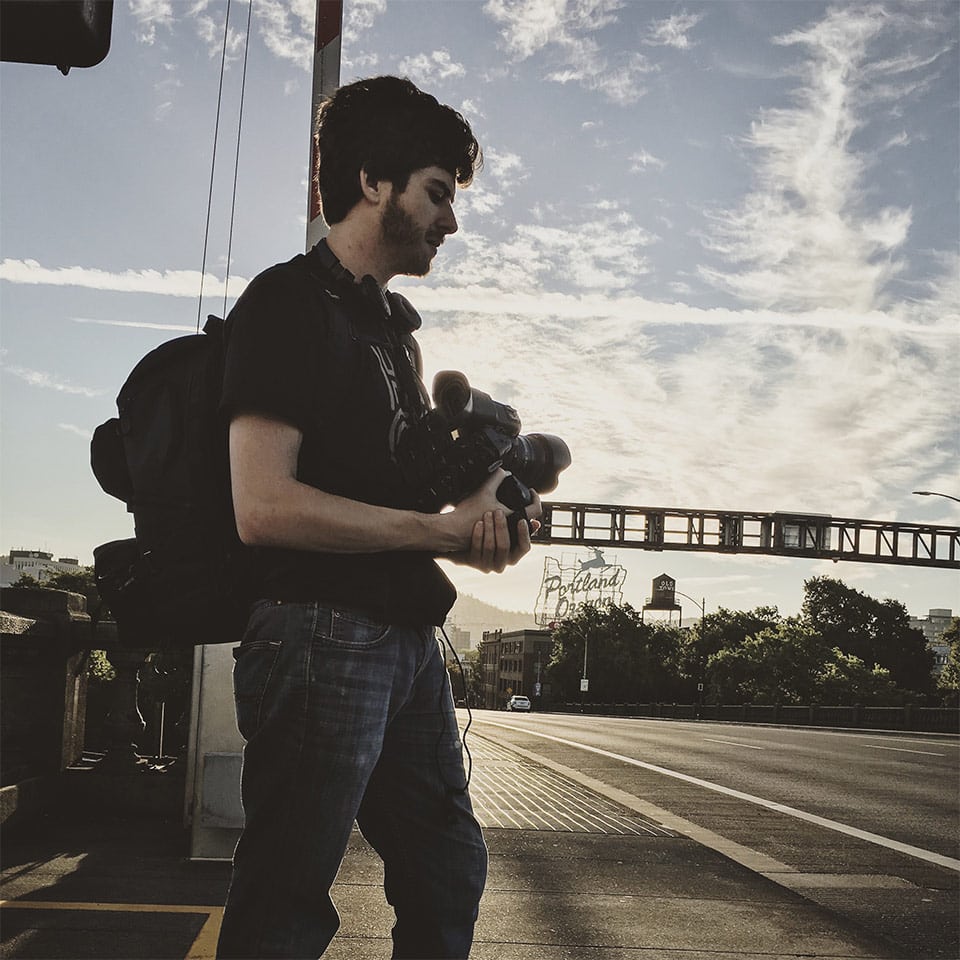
(865, 823)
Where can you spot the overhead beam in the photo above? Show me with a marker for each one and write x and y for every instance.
(813, 536)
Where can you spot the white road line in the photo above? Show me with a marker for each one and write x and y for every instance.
(926, 753)
(928, 855)
(935, 739)
(734, 743)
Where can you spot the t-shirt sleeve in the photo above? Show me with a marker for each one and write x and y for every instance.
(273, 345)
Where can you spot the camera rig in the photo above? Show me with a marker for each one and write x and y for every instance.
(453, 449)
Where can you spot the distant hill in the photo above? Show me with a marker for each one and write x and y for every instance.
(474, 615)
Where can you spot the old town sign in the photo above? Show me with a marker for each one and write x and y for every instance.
(573, 582)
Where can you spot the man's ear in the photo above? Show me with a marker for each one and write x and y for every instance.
(372, 190)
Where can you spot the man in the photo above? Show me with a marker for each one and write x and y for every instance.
(341, 691)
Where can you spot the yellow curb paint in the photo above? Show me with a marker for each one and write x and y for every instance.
(109, 907)
(204, 947)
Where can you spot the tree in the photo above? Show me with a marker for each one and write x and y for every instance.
(628, 661)
(845, 680)
(723, 630)
(779, 664)
(469, 680)
(877, 632)
(949, 679)
(81, 580)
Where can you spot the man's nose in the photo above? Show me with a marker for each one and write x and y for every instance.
(448, 222)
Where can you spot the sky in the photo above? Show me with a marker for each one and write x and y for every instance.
(714, 246)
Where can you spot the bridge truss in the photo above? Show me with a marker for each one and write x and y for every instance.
(813, 536)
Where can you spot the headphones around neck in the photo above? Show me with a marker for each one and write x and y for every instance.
(371, 291)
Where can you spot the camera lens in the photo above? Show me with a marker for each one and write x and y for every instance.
(537, 459)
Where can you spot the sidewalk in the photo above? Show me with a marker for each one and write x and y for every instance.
(125, 890)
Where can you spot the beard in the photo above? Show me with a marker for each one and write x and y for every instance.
(405, 241)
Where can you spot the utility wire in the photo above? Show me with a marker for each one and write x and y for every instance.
(236, 161)
(213, 162)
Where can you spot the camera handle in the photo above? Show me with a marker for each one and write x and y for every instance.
(516, 495)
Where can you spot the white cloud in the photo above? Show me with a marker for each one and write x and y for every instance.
(603, 253)
(564, 28)
(719, 408)
(49, 381)
(673, 31)
(359, 17)
(173, 283)
(211, 33)
(503, 170)
(495, 296)
(139, 324)
(150, 14)
(643, 160)
(84, 432)
(287, 29)
(471, 109)
(430, 68)
(809, 234)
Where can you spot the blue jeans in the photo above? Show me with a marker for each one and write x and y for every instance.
(348, 719)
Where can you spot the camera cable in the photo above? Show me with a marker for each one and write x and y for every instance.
(450, 787)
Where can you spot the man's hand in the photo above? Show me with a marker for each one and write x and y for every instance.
(490, 550)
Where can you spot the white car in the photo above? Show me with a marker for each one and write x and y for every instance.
(518, 703)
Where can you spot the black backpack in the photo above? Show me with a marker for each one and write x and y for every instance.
(177, 582)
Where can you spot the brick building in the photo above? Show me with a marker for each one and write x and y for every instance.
(514, 663)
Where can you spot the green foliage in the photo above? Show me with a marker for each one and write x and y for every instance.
(779, 664)
(81, 581)
(723, 630)
(949, 680)
(845, 680)
(628, 661)
(471, 678)
(844, 648)
(875, 631)
(99, 668)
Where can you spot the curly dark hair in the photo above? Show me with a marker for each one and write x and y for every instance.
(390, 128)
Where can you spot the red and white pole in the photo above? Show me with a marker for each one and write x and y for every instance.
(326, 79)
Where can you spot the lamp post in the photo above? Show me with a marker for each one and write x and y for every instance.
(703, 614)
(933, 493)
(584, 682)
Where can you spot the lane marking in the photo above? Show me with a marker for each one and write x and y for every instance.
(938, 739)
(734, 743)
(911, 851)
(925, 753)
(751, 859)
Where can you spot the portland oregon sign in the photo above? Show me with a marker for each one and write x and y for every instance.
(576, 580)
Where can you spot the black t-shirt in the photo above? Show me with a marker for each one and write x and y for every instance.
(319, 354)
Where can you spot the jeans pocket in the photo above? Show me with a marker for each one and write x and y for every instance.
(255, 663)
(351, 630)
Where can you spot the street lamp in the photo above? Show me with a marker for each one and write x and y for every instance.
(933, 493)
(703, 615)
(701, 603)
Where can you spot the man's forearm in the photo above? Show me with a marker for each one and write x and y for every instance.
(299, 517)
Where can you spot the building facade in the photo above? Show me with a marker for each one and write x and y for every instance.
(35, 563)
(459, 640)
(933, 626)
(514, 663)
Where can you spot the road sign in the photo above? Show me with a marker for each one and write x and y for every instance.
(584, 685)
